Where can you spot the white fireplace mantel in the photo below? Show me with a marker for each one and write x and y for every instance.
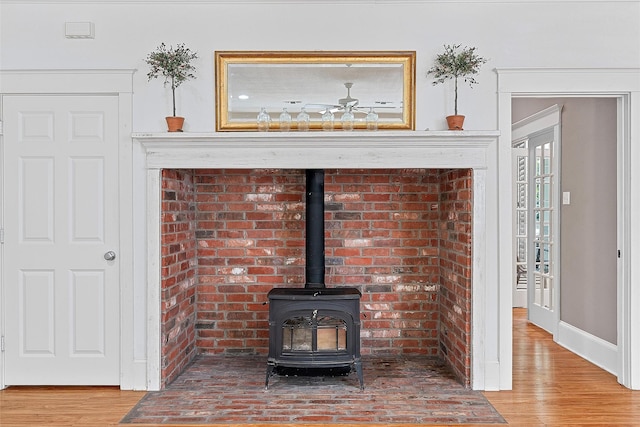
(477, 150)
(317, 149)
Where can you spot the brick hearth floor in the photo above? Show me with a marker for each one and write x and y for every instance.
(226, 389)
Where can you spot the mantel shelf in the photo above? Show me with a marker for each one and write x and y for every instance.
(299, 137)
(358, 149)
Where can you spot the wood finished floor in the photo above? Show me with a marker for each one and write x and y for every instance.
(551, 386)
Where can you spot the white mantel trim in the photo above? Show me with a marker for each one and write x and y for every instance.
(442, 149)
(408, 149)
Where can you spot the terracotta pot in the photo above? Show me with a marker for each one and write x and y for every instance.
(455, 122)
(174, 124)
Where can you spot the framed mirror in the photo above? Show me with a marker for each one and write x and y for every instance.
(360, 90)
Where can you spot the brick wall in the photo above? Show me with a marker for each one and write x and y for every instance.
(384, 234)
(178, 285)
(455, 271)
(382, 237)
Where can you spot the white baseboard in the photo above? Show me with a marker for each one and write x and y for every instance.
(596, 350)
(520, 298)
(492, 376)
(136, 378)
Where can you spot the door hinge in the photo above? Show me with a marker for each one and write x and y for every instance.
(2, 343)
(619, 254)
(1, 235)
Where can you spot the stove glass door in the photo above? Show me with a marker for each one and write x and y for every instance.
(314, 333)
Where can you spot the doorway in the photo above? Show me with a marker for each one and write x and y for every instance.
(66, 138)
(536, 153)
(61, 268)
(584, 270)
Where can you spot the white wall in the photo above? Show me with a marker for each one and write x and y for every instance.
(509, 33)
(519, 33)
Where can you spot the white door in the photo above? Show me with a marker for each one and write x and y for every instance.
(61, 294)
(543, 231)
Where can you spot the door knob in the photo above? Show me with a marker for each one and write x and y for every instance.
(110, 255)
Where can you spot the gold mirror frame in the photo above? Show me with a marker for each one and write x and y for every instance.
(382, 81)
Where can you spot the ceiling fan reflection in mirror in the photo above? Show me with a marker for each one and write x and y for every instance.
(349, 104)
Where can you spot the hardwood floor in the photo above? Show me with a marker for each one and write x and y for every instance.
(551, 386)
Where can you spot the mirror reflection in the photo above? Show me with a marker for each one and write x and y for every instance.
(314, 91)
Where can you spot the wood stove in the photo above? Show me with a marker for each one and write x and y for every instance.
(314, 327)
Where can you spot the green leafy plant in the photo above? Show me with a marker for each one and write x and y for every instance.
(456, 64)
(174, 64)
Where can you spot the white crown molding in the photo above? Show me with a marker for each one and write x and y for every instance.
(568, 81)
(340, 2)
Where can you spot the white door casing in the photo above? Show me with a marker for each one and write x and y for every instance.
(61, 167)
(117, 86)
(623, 84)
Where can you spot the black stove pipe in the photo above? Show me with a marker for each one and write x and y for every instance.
(314, 244)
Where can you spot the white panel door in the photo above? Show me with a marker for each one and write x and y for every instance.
(61, 222)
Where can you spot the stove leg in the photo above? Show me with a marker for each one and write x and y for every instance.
(270, 369)
(358, 366)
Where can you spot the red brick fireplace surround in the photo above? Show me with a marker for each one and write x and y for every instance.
(411, 220)
(402, 236)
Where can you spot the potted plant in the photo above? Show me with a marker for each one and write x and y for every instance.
(174, 64)
(456, 64)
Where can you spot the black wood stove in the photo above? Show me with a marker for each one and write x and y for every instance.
(315, 327)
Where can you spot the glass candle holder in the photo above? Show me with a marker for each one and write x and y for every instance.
(327, 120)
(372, 120)
(264, 120)
(303, 120)
(285, 121)
(347, 120)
